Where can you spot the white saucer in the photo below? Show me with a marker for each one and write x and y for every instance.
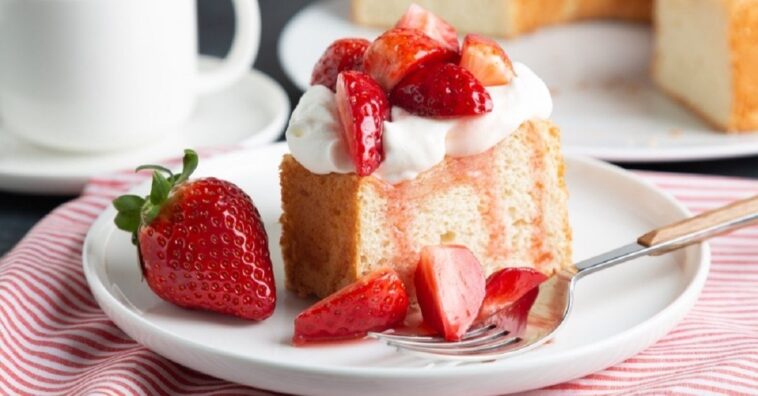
(618, 312)
(251, 112)
(605, 102)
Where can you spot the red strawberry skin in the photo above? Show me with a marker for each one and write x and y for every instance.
(442, 90)
(398, 52)
(515, 316)
(506, 286)
(486, 60)
(341, 55)
(207, 249)
(363, 107)
(416, 17)
(450, 288)
(376, 302)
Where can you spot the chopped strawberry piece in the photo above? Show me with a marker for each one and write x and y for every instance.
(506, 286)
(513, 317)
(398, 52)
(442, 90)
(450, 288)
(341, 55)
(376, 302)
(486, 60)
(363, 107)
(416, 17)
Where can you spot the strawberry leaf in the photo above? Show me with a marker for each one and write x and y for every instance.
(150, 212)
(134, 211)
(160, 188)
(129, 203)
(189, 163)
(127, 221)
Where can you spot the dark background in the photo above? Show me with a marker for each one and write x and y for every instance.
(18, 213)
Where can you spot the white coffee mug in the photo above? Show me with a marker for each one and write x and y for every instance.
(98, 75)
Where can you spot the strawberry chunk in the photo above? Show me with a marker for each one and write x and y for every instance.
(486, 60)
(363, 107)
(506, 286)
(376, 302)
(450, 288)
(341, 55)
(397, 52)
(442, 90)
(514, 317)
(416, 17)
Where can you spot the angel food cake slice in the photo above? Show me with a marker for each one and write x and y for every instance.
(718, 77)
(506, 18)
(424, 144)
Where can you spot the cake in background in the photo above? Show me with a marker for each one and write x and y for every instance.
(706, 51)
(503, 18)
(706, 56)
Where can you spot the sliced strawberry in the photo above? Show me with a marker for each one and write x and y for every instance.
(450, 287)
(363, 107)
(506, 286)
(399, 51)
(376, 302)
(514, 317)
(416, 17)
(442, 90)
(486, 60)
(341, 55)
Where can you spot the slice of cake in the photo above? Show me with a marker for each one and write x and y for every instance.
(505, 18)
(411, 141)
(706, 56)
(508, 205)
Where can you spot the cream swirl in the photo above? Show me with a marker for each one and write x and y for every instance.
(414, 144)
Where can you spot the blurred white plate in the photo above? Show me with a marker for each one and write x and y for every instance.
(251, 112)
(618, 312)
(605, 102)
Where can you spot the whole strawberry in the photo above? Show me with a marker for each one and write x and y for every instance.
(201, 243)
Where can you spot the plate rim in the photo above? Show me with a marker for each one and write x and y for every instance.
(49, 183)
(633, 156)
(700, 256)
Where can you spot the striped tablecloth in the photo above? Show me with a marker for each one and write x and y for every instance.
(55, 340)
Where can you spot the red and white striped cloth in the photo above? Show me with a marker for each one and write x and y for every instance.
(55, 340)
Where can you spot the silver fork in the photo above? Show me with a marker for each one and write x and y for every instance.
(555, 297)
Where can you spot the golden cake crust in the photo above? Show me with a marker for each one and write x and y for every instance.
(529, 15)
(505, 18)
(743, 43)
(508, 205)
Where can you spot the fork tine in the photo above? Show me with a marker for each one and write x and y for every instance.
(480, 337)
(487, 348)
(428, 339)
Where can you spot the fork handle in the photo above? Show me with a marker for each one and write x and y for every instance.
(703, 226)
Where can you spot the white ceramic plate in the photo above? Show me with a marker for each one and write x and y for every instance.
(618, 312)
(598, 72)
(251, 112)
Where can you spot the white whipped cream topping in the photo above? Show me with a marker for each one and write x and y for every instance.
(414, 144)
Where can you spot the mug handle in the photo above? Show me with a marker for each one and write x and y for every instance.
(242, 53)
